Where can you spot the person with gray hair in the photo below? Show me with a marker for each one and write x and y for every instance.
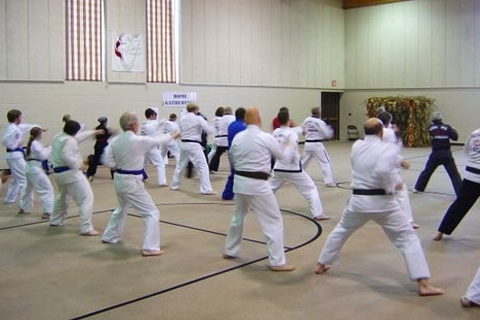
(440, 136)
(375, 180)
(126, 154)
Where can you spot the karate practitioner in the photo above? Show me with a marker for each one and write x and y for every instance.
(101, 142)
(235, 127)
(152, 127)
(37, 179)
(390, 136)
(169, 127)
(221, 139)
(71, 182)
(374, 181)
(316, 130)
(440, 136)
(469, 190)
(191, 127)
(289, 169)
(126, 154)
(472, 297)
(251, 152)
(13, 137)
(216, 135)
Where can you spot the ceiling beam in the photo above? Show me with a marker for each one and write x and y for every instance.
(349, 4)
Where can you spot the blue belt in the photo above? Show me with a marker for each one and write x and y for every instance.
(16, 149)
(61, 169)
(134, 172)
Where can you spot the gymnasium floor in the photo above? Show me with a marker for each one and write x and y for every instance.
(53, 273)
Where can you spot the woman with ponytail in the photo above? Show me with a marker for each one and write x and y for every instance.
(37, 180)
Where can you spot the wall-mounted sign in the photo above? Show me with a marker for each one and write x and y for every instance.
(127, 53)
(178, 99)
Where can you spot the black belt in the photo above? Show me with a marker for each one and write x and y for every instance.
(61, 169)
(31, 159)
(472, 170)
(319, 140)
(254, 174)
(369, 192)
(186, 140)
(222, 136)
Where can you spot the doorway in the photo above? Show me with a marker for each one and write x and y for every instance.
(331, 111)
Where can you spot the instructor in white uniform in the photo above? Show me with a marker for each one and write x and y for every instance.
(126, 154)
(316, 130)
(374, 181)
(191, 127)
(289, 169)
(251, 153)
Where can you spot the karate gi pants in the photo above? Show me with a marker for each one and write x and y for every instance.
(81, 192)
(466, 198)
(155, 157)
(131, 191)
(265, 208)
(40, 183)
(192, 151)
(304, 185)
(18, 181)
(317, 150)
(404, 201)
(398, 230)
(473, 292)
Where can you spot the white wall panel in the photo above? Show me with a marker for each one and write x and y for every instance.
(38, 35)
(453, 42)
(186, 48)
(418, 43)
(437, 38)
(198, 40)
(476, 55)
(374, 31)
(56, 41)
(411, 44)
(267, 43)
(467, 46)
(424, 43)
(3, 40)
(17, 40)
(235, 27)
(211, 43)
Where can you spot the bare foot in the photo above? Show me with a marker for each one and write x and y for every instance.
(283, 267)
(152, 253)
(426, 289)
(438, 237)
(465, 302)
(321, 268)
(322, 218)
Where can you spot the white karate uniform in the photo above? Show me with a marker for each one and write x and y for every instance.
(126, 152)
(290, 170)
(403, 198)
(252, 150)
(37, 179)
(191, 127)
(374, 166)
(473, 292)
(316, 130)
(13, 139)
(72, 182)
(170, 127)
(216, 137)
(154, 155)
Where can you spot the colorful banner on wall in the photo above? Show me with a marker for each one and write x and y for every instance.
(178, 99)
(127, 52)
